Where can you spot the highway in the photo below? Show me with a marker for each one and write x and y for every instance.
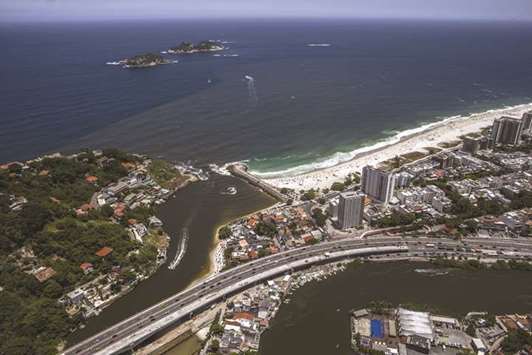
(171, 311)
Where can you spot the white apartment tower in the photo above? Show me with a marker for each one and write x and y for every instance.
(350, 209)
(378, 184)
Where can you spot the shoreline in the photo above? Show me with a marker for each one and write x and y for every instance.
(410, 140)
(214, 266)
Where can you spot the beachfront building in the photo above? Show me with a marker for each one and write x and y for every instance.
(472, 145)
(527, 122)
(350, 209)
(378, 184)
(506, 130)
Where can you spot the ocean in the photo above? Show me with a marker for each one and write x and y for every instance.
(305, 105)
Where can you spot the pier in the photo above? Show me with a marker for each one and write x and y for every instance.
(240, 170)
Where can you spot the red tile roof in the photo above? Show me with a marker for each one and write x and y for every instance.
(86, 266)
(244, 315)
(44, 274)
(104, 251)
(91, 179)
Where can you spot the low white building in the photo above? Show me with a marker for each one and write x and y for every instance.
(415, 323)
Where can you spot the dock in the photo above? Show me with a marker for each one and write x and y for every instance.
(240, 170)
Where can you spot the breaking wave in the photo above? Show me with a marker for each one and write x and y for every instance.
(398, 136)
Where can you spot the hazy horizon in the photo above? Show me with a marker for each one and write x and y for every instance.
(77, 10)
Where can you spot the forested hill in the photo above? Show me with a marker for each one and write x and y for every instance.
(64, 224)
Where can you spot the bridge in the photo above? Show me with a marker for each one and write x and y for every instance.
(173, 310)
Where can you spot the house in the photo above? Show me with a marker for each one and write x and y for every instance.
(119, 210)
(84, 209)
(137, 231)
(91, 179)
(155, 222)
(76, 297)
(87, 268)
(44, 273)
(103, 252)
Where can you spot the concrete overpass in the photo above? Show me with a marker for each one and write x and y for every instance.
(169, 312)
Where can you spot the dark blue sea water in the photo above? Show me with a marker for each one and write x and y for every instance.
(375, 78)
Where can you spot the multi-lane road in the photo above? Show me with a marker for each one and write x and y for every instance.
(171, 311)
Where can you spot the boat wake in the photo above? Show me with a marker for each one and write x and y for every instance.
(181, 250)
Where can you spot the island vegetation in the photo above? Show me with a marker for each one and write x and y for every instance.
(145, 60)
(189, 47)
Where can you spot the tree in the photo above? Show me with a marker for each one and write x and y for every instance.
(471, 330)
(516, 341)
(462, 206)
(319, 217)
(266, 229)
(224, 232)
(215, 345)
(52, 289)
(309, 195)
(338, 186)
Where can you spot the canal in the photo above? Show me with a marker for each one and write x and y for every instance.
(201, 208)
(316, 321)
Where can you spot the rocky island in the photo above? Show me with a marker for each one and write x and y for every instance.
(201, 47)
(145, 61)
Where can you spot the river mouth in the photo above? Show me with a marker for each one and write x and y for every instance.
(316, 321)
(201, 208)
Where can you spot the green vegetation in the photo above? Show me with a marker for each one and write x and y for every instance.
(165, 174)
(224, 232)
(319, 217)
(463, 209)
(144, 60)
(48, 232)
(266, 229)
(353, 178)
(477, 265)
(396, 219)
(338, 186)
(459, 264)
(204, 46)
(515, 341)
(216, 327)
(308, 195)
(380, 307)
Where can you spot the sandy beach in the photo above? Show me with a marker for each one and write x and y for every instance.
(429, 135)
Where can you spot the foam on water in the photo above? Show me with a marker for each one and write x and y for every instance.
(342, 157)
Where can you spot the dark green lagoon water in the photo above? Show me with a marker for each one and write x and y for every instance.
(316, 320)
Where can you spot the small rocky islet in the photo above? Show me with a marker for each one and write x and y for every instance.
(148, 60)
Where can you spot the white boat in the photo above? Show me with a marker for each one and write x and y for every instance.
(231, 190)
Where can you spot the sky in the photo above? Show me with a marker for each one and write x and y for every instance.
(77, 10)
